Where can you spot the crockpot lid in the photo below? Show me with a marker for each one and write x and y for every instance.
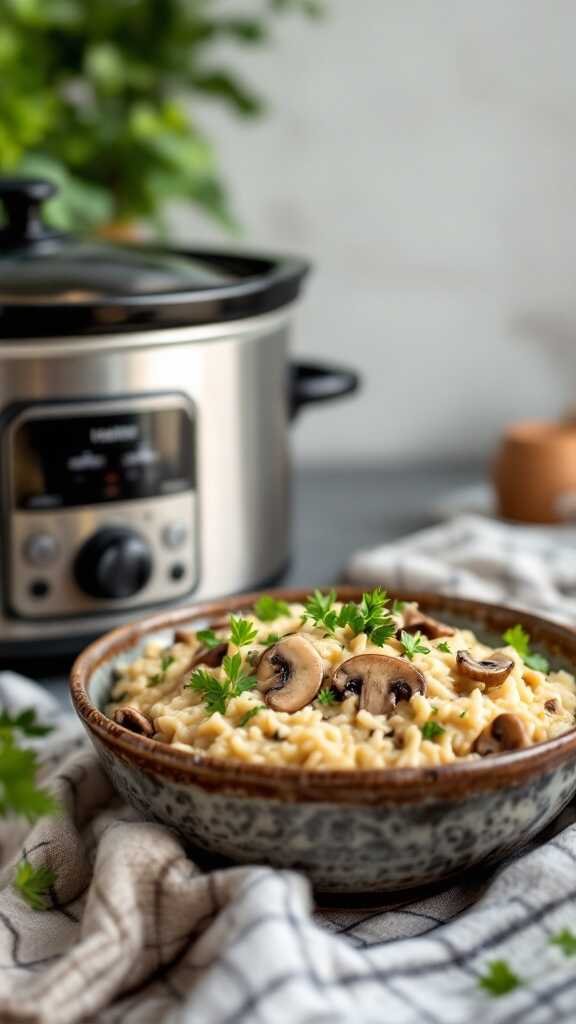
(52, 283)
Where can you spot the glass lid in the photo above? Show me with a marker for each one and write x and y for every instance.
(52, 283)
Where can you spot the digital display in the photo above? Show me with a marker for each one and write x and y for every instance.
(88, 459)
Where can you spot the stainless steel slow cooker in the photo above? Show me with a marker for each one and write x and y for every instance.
(145, 395)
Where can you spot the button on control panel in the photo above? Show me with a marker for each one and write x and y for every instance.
(40, 549)
(174, 534)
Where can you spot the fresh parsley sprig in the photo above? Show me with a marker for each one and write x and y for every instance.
(272, 638)
(25, 722)
(268, 608)
(326, 696)
(412, 644)
(499, 979)
(444, 647)
(33, 884)
(218, 694)
(208, 638)
(19, 793)
(242, 631)
(519, 639)
(319, 608)
(566, 940)
(370, 616)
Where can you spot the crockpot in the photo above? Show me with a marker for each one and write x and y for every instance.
(145, 395)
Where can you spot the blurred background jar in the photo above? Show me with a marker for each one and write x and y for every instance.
(535, 472)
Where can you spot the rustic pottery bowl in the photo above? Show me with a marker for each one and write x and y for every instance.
(349, 831)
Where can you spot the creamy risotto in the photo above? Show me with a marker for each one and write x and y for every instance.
(324, 685)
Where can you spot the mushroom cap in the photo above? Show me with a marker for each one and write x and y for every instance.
(381, 680)
(492, 671)
(134, 720)
(290, 673)
(416, 621)
(505, 732)
(211, 656)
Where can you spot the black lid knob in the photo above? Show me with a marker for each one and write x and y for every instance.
(22, 199)
(114, 563)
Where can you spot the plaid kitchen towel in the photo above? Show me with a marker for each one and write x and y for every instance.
(530, 567)
(135, 932)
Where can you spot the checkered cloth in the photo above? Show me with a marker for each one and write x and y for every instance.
(137, 933)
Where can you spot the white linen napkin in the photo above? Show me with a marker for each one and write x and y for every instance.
(531, 567)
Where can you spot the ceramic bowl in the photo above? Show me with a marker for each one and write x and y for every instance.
(350, 831)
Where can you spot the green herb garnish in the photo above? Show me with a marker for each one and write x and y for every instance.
(251, 713)
(165, 662)
(319, 608)
(499, 979)
(326, 696)
(217, 695)
(463, 713)
(431, 730)
(25, 722)
(242, 632)
(370, 616)
(398, 606)
(443, 646)
(412, 644)
(272, 638)
(267, 608)
(19, 793)
(566, 940)
(208, 638)
(519, 639)
(33, 884)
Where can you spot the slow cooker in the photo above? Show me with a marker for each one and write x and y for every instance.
(145, 395)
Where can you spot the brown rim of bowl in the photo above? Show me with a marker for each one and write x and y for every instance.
(391, 784)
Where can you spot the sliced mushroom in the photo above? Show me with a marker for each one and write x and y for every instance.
(416, 622)
(552, 706)
(492, 671)
(382, 681)
(505, 732)
(211, 656)
(134, 720)
(290, 674)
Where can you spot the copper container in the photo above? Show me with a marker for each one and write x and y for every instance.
(535, 472)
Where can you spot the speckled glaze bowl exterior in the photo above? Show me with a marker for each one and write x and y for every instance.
(349, 831)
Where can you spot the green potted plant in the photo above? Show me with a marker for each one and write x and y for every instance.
(98, 96)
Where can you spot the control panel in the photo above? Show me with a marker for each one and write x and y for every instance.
(101, 505)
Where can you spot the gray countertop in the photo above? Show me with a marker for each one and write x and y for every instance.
(336, 511)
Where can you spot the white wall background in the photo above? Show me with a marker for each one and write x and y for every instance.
(423, 154)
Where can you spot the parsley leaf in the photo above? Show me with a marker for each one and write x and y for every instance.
(398, 606)
(242, 631)
(165, 662)
(412, 644)
(371, 616)
(463, 713)
(208, 638)
(251, 713)
(519, 639)
(499, 979)
(217, 695)
(272, 638)
(566, 940)
(267, 608)
(431, 730)
(33, 884)
(326, 696)
(443, 646)
(25, 722)
(19, 793)
(319, 608)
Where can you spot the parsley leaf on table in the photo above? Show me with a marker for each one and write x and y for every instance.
(566, 940)
(25, 722)
(19, 793)
(208, 638)
(431, 730)
(519, 639)
(242, 632)
(499, 979)
(268, 608)
(412, 644)
(33, 884)
(217, 695)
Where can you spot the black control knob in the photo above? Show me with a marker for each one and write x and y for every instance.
(22, 199)
(115, 563)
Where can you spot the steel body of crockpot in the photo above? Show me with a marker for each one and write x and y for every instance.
(216, 396)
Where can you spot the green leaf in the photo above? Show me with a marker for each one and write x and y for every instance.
(432, 730)
(249, 715)
(519, 639)
(33, 884)
(25, 722)
(443, 646)
(242, 631)
(272, 638)
(398, 606)
(566, 940)
(319, 608)
(412, 644)
(213, 692)
(326, 696)
(268, 608)
(208, 638)
(165, 661)
(499, 979)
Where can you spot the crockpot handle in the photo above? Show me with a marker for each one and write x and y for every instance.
(318, 382)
